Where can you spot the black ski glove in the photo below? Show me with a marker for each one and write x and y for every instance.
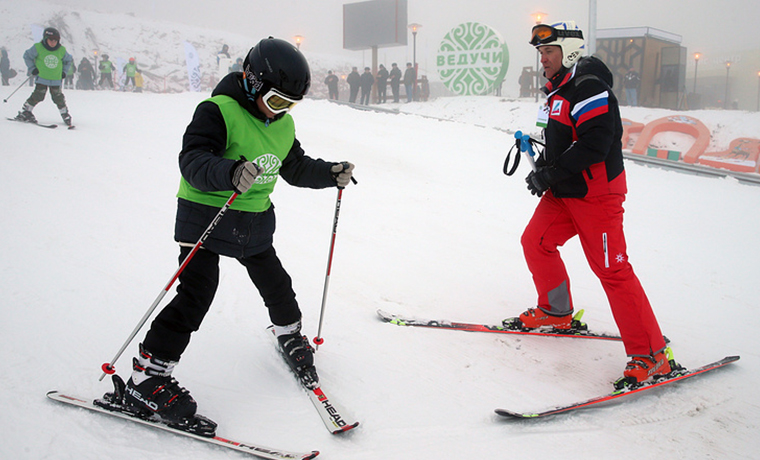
(63, 76)
(35, 71)
(541, 179)
(244, 174)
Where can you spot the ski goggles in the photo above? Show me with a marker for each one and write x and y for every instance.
(544, 35)
(279, 102)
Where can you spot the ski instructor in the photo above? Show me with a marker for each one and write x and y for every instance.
(582, 185)
(48, 61)
(239, 140)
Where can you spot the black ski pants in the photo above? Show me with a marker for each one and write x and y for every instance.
(170, 332)
(38, 95)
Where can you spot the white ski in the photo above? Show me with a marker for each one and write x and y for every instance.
(246, 447)
(333, 416)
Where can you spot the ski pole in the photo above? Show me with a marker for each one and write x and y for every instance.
(108, 368)
(19, 87)
(318, 340)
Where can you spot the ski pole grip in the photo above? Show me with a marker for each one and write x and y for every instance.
(527, 148)
(345, 166)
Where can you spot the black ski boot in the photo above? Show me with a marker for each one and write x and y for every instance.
(26, 114)
(153, 391)
(66, 116)
(298, 353)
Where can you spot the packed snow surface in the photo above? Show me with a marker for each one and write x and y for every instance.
(431, 230)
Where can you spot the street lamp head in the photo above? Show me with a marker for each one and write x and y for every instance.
(298, 39)
(697, 56)
(539, 17)
(414, 27)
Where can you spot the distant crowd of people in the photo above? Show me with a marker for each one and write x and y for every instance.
(360, 85)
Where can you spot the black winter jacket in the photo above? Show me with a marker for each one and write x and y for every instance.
(238, 234)
(583, 135)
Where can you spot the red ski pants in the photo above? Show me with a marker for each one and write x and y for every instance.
(598, 222)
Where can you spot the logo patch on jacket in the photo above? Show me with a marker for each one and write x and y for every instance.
(557, 107)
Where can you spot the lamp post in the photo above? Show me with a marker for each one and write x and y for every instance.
(696, 64)
(414, 27)
(298, 40)
(538, 17)
(728, 69)
(758, 91)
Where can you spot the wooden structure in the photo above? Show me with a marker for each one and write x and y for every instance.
(656, 55)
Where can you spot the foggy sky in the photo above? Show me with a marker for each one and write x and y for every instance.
(705, 25)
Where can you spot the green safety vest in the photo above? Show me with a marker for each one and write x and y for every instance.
(106, 66)
(130, 68)
(49, 63)
(267, 146)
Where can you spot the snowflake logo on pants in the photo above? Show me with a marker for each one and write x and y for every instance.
(620, 258)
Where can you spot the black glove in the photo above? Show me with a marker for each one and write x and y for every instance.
(35, 71)
(63, 76)
(244, 174)
(541, 179)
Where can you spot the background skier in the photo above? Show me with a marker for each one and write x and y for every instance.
(49, 62)
(106, 68)
(130, 69)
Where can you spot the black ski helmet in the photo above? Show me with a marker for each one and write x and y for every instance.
(275, 63)
(51, 33)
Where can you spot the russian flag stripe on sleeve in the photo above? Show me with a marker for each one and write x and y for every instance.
(590, 108)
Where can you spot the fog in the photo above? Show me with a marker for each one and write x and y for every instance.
(703, 25)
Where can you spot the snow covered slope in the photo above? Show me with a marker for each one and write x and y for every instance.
(432, 229)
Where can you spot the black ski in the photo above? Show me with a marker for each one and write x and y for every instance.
(33, 123)
(675, 376)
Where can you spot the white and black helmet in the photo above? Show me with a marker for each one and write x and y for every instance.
(564, 34)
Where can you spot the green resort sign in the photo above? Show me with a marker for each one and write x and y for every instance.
(472, 59)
